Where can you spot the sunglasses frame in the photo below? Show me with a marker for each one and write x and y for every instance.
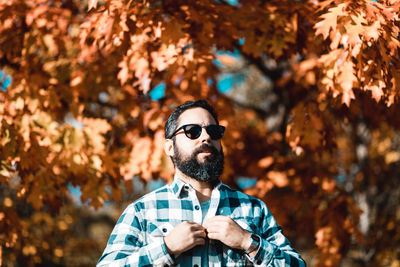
(222, 128)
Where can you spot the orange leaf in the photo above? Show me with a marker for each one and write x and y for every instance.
(123, 74)
(265, 162)
(278, 178)
(329, 20)
(92, 4)
(346, 79)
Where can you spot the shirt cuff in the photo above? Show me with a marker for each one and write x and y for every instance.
(158, 253)
(264, 254)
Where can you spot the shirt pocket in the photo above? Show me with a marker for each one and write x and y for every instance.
(157, 230)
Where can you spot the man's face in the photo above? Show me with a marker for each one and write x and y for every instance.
(201, 158)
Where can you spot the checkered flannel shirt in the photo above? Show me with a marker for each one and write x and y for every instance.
(137, 239)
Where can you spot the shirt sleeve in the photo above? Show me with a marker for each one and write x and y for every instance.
(274, 249)
(127, 247)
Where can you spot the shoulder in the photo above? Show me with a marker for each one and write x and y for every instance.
(150, 199)
(244, 199)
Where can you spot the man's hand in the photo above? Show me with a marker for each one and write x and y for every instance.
(227, 231)
(184, 237)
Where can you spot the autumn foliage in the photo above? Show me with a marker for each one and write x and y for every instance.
(315, 118)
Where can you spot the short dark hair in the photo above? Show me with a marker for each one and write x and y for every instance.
(171, 124)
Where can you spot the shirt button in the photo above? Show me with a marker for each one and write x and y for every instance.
(166, 265)
(195, 265)
(259, 262)
(164, 230)
(197, 207)
(186, 187)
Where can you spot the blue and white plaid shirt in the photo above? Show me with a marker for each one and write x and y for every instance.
(137, 239)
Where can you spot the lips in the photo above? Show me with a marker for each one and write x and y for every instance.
(206, 149)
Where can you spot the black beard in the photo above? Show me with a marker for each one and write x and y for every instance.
(209, 171)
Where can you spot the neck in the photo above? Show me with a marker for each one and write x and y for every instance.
(203, 189)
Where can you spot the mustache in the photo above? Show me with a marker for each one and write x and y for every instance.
(206, 148)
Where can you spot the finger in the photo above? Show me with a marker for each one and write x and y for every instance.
(190, 226)
(200, 234)
(220, 218)
(213, 229)
(216, 224)
(210, 222)
(217, 219)
(214, 236)
(190, 223)
(199, 241)
(195, 228)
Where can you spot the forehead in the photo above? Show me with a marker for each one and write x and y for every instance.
(196, 116)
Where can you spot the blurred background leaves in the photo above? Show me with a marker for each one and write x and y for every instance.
(307, 89)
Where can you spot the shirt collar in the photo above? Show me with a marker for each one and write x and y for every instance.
(178, 186)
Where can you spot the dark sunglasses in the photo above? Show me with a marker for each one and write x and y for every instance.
(193, 131)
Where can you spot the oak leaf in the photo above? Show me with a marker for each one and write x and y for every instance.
(329, 20)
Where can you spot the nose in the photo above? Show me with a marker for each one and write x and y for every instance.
(204, 136)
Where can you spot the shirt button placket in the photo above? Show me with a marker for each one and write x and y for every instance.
(197, 217)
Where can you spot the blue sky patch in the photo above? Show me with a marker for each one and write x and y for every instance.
(158, 92)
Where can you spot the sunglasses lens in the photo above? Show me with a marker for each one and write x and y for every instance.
(215, 131)
(192, 131)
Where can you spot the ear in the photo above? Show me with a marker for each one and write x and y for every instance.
(169, 147)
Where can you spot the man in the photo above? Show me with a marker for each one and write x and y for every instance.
(196, 220)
